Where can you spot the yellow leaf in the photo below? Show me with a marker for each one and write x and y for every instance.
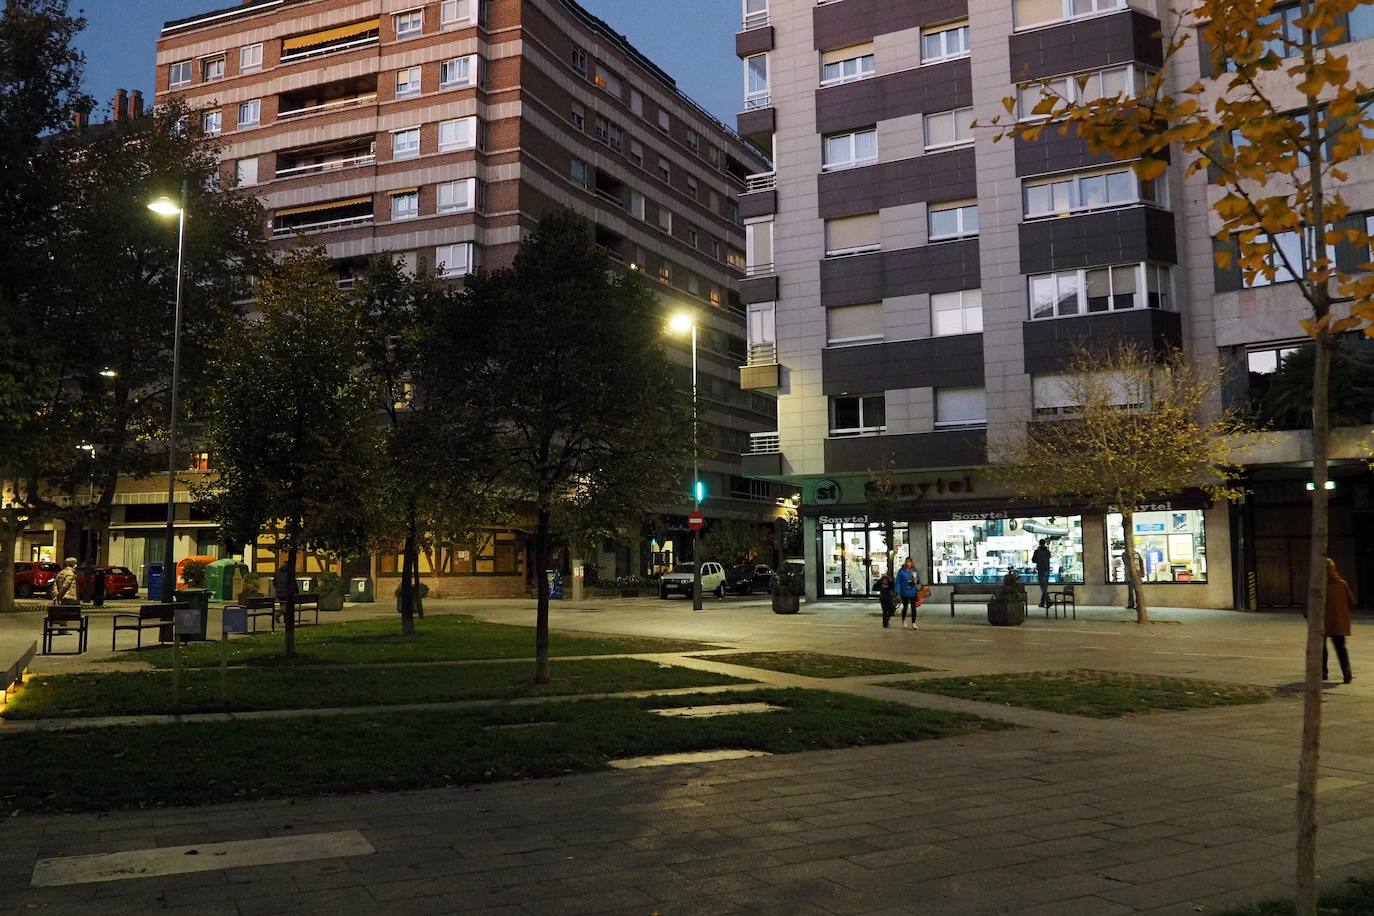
(1149, 169)
(1342, 325)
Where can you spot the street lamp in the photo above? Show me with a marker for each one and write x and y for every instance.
(680, 324)
(165, 206)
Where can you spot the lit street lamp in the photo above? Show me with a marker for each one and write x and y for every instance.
(165, 206)
(681, 323)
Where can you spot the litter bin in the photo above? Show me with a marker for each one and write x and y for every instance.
(305, 585)
(219, 579)
(360, 590)
(199, 600)
(578, 581)
(152, 577)
(555, 584)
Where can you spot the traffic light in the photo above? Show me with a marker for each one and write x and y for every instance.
(699, 491)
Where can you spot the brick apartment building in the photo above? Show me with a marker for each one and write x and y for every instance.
(439, 131)
(915, 286)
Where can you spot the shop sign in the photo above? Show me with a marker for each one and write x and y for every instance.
(1145, 507)
(978, 516)
(922, 490)
(826, 492)
(844, 520)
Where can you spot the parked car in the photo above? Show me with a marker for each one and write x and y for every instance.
(34, 579)
(748, 578)
(680, 580)
(120, 582)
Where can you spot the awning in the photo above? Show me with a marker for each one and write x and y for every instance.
(319, 208)
(404, 191)
(328, 35)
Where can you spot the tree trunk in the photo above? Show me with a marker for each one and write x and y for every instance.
(409, 562)
(1309, 757)
(541, 617)
(1142, 613)
(9, 536)
(289, 600)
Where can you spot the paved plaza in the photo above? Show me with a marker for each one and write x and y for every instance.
(1166, 813)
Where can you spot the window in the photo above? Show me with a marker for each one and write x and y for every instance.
(713, 154)
(249, 113)
(250, 58)
(212, 68)
(732, 211)
(405, 144)
(953, 221)
(1262, 366)
(758, 248)
(714, 295)
(1080, 88)
(458, 12)
(637, 205)
(845, 151)
(578, 59)
(755, 13)
(609, 133)
(664, 121)
(1038, 12)
(755, 82)
(664, 170)
(980, 550)
(845, 65)
(410, 24)
(407, 82)
(1288, 248)
(637, 102)
(693, 142)
(246, 171)
(956, 313)
(854, 416)
(949, 128)
(1361, 22)
(578, 116)
(405, 204)
(459, 133)
(1172, 544)
(665, 220)
(761, 323)
(577, 171)
(179, 74)
(458, 72)
(211, 123)
(692, 237)
(735, 259)
(693, 188)
(713, 247)
(961, 407)
(455, 260)
(845, 324)
(665, 270)
(637, 153)
(607, 80)
(1099, 289)
(848, 235)
(944, 42)
(457, 196)
(1079, 193)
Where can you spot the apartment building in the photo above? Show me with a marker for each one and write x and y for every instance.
(440, 131)
(915, 287)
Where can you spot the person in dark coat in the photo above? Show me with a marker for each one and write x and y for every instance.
(886, 598)
(1041, 558)
(1339, 599)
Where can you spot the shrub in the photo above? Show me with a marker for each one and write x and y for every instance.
(252, 586)
(790, 580)
(424, 590)
(193, 574)
(330, 583)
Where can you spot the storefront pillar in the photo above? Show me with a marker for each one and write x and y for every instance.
(920, 549)
(1095, 557)
(813, 557)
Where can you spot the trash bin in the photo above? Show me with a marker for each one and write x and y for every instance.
(305, 585)
(555, 584)
(152, 577)
(578, 581)
(360, 590)
(199, 600)
(219, 579)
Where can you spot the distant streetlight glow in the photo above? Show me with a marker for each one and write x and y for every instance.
(107, 372)
(681, 323)
(165, 206)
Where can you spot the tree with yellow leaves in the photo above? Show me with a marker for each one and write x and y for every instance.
(1274, 129)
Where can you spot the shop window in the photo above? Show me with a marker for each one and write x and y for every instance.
(980, 550)
(1172, 544)
(855, 554)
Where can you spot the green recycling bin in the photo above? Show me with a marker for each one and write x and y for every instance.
(360, 591)
(219, 579)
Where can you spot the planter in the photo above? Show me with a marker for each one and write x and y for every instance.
(1006, 613)
(332, 601)
(786, 604)
(419, 605)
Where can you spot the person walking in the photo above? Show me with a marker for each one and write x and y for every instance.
(64, 584)
(1339, 598)
(908, 586)
(886, 598)
(1041, 559)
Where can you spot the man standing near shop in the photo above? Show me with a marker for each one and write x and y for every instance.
(1041, 559)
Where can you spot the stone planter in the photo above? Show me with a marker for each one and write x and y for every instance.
(1006, 613)
(332, 601)
(419, 605)
(786, 604)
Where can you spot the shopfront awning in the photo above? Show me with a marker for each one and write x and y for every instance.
(321, 208)
(341, 33)
(1000, 507)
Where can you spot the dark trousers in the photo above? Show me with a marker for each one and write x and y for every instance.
(889, 607)
(1342, 656)
(909, 601)
(1130, 593)
(1044, 579)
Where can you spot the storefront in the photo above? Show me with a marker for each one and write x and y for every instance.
(1172, 544)
(981, 547)
(853, 554)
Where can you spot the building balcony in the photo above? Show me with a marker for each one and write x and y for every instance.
(1050, 344)
(760, 197)
(329, 97)
(764, 458)
(322, 217)
(329, 157)
(755, 38)
(335, 40)
(941, 448)
(761, 371)
(758, 120)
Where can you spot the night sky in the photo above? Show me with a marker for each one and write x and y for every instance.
(693, 40)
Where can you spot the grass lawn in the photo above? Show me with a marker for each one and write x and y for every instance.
(1098, 694)
(813, 664)
(1353, 898)
(103, 768)
(440, 638)
(131, 693)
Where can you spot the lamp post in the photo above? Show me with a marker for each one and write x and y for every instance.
(682, 322)
(165, 206)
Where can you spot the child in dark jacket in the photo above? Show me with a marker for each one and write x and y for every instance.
(886, 598)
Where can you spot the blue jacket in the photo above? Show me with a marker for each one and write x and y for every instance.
(908, 582)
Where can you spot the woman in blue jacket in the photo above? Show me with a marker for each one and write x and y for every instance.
(908, 585)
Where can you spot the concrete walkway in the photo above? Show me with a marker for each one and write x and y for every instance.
(1168, 813)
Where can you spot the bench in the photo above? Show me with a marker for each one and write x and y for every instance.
(65, 621)
(1062, 599)
(274, 609)
(260, 607)
(149, 617)
(969, 588)
(305, 602)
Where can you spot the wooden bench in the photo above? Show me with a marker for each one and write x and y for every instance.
(65, 621)
(1062, 599)
(260, 607)
(306, 602)
(969, 588)
(149, 617)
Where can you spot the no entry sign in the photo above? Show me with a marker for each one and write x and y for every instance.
(696, 521)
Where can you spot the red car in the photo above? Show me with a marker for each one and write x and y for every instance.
(34, 579)
(120, 582)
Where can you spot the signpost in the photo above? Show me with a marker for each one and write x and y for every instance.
(696, 521)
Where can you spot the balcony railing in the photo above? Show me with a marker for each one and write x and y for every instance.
(763, 181)
(331, 165)
(762, 354)
(759, 270)
(764, 443)
(755, 20)
(347, 222)
(326, 106)
(757, 101)
(610, 198)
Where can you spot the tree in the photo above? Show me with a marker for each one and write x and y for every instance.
(880, 493)
(290, 421)
(1138, 431)
(565, 359)
(732, 540)
(1277, 170)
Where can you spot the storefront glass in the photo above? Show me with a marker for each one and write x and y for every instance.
(1172, 545)
(854, 555)
(979, 551)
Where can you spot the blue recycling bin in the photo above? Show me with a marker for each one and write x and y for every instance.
(153, 580)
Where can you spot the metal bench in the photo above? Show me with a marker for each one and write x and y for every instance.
(260, 607)
(65, 621)
(149, 617)
(969, 588)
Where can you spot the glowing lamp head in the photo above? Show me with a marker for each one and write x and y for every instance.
(165, 206)
(681, 323)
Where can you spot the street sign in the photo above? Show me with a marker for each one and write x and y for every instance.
(696, 521)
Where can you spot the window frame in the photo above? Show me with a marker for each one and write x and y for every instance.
(864, 406)
(442, 266)
(964, 310)
(853, 162)
(960, 209)
(943, 30)
(256, 106)
(860, 72)
(250, 66)
(407, 152)
(1067, 14)
(758, 98)
(414, 15)
(953, 114)
(573, 169)
(472, 194)
(411, 212)
(172, 81)
(1142, 270)
(472, 18)
(1076, 90)
(207, 62)
(969, 423)
(453, 62)
(1075, 182)
(458, 145)
(409, 90)
(217, 116)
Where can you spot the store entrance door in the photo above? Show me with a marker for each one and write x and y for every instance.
(854, 557)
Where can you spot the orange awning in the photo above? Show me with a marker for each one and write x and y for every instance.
(318, 208)
(336, 34)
